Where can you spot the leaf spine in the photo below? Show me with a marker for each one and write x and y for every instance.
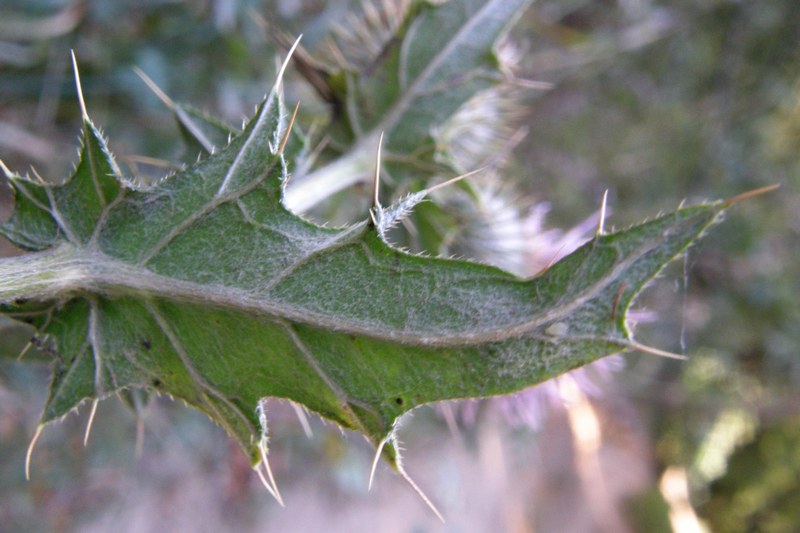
(89, 423)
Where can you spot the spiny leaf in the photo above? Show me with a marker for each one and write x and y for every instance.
(205, 287)
(170, 283)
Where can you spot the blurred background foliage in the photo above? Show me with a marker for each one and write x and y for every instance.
(656, 101)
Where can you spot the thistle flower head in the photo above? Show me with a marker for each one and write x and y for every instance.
(360, 38)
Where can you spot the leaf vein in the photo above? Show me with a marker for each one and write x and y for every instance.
(68, 233)
(194, 217)
(259, 125)
(205, 387)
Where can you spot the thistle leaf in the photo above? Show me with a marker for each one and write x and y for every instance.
(206, 287)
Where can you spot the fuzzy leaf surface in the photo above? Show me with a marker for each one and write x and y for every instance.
(205, 287)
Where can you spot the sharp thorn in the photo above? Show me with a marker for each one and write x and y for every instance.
(301, 416)
(617, 298)
(81, 101)
(6, 170)
(421, 494)
(89, 423)
(750, 194)
(375, 460)
(285, 64)
(288, 132)
(155, 88)
(29, 453)
(25, 350)
(376, 180)
(264, 482)
(38, 176)
(272, 487)
(552, 261)
(453, 180)
(602, 221)
(655, 351)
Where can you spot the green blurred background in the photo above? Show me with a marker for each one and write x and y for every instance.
(656, 101)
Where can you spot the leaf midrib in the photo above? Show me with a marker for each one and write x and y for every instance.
(410, 93)
(77, 270)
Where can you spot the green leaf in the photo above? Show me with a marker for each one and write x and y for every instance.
(205, 287)
(441, 57)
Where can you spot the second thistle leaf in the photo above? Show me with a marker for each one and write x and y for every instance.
(441, 57)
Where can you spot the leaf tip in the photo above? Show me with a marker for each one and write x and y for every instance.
(617, 298)
(29, 453)
(81, 101)
(285, 64)
(602, 218)
(155, 88)
(300, 412)
(273, 490)
(285, 139)
(451, 181)
(90, 422)
(750, 194)
(7, 171)
(421, 494)
(25, 349)
(269, 480)
(656, 351)
(376, 179)
(374, 467)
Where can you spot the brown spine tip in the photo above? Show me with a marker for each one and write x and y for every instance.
(288, 131)
(750, 194)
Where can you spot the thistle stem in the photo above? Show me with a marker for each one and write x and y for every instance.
(43, 275)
